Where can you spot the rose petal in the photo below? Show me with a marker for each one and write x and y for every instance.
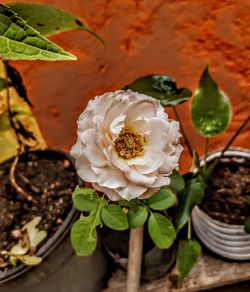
(113, 195)
(91, 149)
(115, 160)
(110, 178)
(149, 162)
(170, 163)
(117, 125)
(84, 169)
(161, 181)
(173, 133)
(158, 135)
(76, 150)
(142, 108)
(149, 193)
(141, 126)
(136, 177)
(131, 191)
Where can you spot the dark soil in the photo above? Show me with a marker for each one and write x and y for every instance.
(52, 179)
(227, 191)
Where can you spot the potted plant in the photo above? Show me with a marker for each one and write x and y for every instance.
(36, 185)
(112, 153)
(221, 219)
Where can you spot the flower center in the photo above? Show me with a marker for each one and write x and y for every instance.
(128, 144)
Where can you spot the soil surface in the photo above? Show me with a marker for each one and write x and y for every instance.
(50, 178)
(228, 190)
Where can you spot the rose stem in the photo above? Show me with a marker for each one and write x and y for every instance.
(135, 259)
(210, 169)
(183, 132)
(206, 152)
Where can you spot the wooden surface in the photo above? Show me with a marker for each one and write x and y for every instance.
(208, 273)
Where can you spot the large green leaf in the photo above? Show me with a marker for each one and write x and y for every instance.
(187, 255)
(19, 41)
(113, 217)
(189, 197)
(49, 20)
(137, 216)
(163, 199)
(161, 230)
(161, 87)
(85, 199)
(80, 237)
(210, 108)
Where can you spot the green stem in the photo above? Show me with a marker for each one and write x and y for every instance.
(235, 135)
(206, 152)
(242, 126)
(189, 234)
(183, 132)
(147, 207)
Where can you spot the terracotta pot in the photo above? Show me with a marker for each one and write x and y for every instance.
(227, 240)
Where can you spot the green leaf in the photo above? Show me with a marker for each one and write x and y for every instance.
(247, 225)
(85, 199)
(177, 181)
(161, 230)
(19, 41)
(94, 217)
(80, 235)
(113, 217)
(189, 197)
(187, 255)
(248, 200)
(161, 87)
(49, 20)
(132, 203)
(210, 108)
(161, 200)
(137, 217)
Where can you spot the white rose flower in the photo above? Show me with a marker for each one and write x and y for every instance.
(126, 147)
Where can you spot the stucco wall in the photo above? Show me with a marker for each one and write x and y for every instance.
(149, 36)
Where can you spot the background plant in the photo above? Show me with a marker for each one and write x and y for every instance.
(23, 31)
(211, 115)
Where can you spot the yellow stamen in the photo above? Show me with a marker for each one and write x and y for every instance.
(129, 144)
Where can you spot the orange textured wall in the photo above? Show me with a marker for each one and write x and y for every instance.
(142, 37)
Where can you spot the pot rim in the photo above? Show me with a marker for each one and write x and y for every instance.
(55, 239)
(232, 151)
